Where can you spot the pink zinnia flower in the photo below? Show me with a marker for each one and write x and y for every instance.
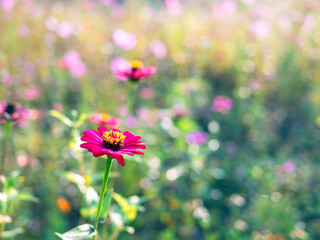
(133, 70)
(113, 142)
(123, 39)
(104, 119)
(15, 113)
(222, 104)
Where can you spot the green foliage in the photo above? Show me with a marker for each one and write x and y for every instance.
(82, 232)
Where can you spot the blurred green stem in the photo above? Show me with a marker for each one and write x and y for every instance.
(103, 190)
(5, 145)
(132, 93)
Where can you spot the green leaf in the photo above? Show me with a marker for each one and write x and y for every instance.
(106, 204)
(82, 232)
(27, 197)
(80, 120)
(12, 233)
(129, 210)
(186, 124)
(61, 117)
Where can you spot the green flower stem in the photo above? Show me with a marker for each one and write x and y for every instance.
(5, 145)
(132, 93)
(103, 190)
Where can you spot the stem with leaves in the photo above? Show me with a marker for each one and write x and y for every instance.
(103, 190)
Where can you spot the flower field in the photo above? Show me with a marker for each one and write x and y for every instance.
(160, 120)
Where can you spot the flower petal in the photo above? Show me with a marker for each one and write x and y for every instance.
(128, 140)
(138, 144)
(93, 134)
(121, 160)
(125, 152)
(90, 140)
(96, 150)
(102, 129)
(135, 152)
(143, 72)
(114, 155)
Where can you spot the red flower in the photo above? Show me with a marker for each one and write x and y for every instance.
(133, 70)
(113, 142)
(104, 119)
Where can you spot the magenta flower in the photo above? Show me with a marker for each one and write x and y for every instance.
(197, 137)
(133, 70)
(15, 113)
(104, 119)
(113, 142)
(222, 104)
(123, 39)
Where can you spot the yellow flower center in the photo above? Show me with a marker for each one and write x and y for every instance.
(136, 64)
(113, 140)
(105, 116)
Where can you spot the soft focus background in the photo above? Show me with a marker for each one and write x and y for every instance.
(231, 118)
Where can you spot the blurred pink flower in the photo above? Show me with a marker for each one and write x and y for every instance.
(173, 7)
(32, 94)
(35, 114)
(58, 107)
(24, 30)
(7, 79)
(133, 70)
(146, 93)
(197, 137)
(179, 112)
(222, 104)
(158, 49)
(104, 119)
(107, 2)
(224, 9)
(149, 117)
(29, 68)
(131, 122)
(249, 2)
(261, 29)
(87, 4)
(123, 39)
(65, 29)
(15, 113)
(72, 61)
(289, 166)
(51, 23)
(122, 110)
(24, 160)
(7, 5)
